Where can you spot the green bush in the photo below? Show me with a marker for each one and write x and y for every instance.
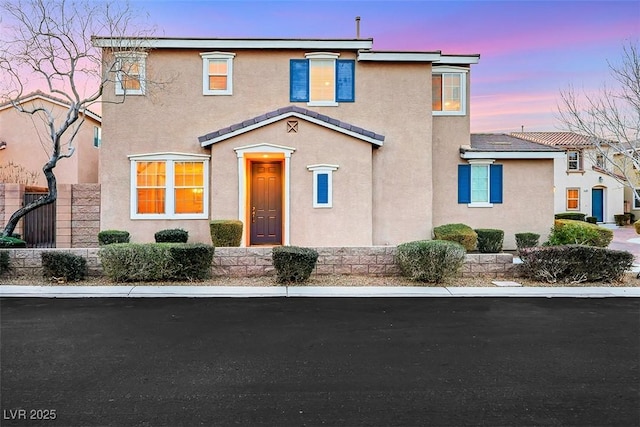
(576, 216)
(459, 233)
(489, 240)
(569, 232)
(591, 220)
(172, 235)
(226, 232)
(149, 262)
(63, 265)
(527, 240)
(108, 237)
(5, 262)
(293, 264)
(12, 242)
(430, 260)
(636, 225)
(575, 263)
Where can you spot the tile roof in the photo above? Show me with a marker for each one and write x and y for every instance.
(503, 142)
(558, 139)
(284, 112)
(38, 94)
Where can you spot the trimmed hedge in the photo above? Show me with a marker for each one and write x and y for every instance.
(636, 225)
(490, 240)
(293, 264)
(430, 260)
(172, 235)
(459, 233)
(108, 237)
(620, 219)
(149, 262)
(575, 263)
(12, 242)
(527, 240)
(569, 232)
(226, 232)
(63, 265)
(5, 262)
(591, 219)
(576, 216)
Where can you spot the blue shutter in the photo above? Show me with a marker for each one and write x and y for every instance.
(299, 80)
(345, 80)
(495, 184)
(322, 188)
(464, 183)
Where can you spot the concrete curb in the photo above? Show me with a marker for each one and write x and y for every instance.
(310, 291)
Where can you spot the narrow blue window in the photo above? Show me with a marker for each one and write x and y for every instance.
(345, 80)
(495, 184)
(323, 188)
(464, 183)
(299, 80)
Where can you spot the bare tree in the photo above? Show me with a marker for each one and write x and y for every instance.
(46, 44)
(611, 117)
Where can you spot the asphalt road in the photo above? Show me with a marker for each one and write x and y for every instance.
(297, 362)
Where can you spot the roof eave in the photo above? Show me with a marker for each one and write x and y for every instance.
(506, 155)
(228, 43)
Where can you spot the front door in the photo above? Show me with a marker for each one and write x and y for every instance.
(597, 204)
(265, 206)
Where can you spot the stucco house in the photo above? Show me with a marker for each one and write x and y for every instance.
(584, 182)
(310, 142)
(24, 143)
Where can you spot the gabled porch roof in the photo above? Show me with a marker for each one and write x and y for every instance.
(291, 111)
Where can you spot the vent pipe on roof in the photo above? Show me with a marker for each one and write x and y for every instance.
(357, 27)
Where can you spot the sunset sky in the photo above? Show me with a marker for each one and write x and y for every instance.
(530, 50)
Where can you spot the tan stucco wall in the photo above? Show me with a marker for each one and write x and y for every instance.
(391, 99)
(28, 145)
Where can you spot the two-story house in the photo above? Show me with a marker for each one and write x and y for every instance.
(308, 142)
(584, 182)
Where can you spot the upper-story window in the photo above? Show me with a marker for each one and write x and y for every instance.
(130, 73)
(449, 91)
(322, 79)
(574, 161)
(217, 73)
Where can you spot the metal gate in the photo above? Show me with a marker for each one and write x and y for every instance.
(40, 224)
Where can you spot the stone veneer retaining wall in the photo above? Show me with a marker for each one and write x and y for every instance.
(243, 262)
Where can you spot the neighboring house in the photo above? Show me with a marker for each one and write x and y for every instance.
(584, 182)
(308, 142)
(25, 145)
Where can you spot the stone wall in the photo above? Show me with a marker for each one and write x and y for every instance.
(252, 262)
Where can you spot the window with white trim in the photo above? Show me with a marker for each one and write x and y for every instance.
(217, 73)
(636, 199)
(322, 79)
(97, 136)
(449, 91)
(169, 186)
(130, 73)
(573, 199)
(322, 185)
(574, 161)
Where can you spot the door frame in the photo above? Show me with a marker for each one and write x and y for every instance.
(264, 152)
(251, 162)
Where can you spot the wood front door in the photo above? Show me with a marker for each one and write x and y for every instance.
(265, 206)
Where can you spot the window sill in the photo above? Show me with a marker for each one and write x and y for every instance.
(221, 93)
(581, 171)
(322, 104)
(480, 205)
(449, 113)
(170, 217)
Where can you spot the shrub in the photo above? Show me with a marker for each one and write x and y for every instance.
(591, 220)
(490, 240)
(459, 233)
(575, 263)
(576, 216)
(568, 232)
(527, 240)
(226, 232)
(293, 264)
(108, 237)
(12, 242)
(636, 225)
(148, 262)
(173, 235)
(430, 260)
(5, 262)
(64, 265)
(620, 219)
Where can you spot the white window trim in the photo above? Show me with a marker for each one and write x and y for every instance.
(228, 56)
(578, 159)
(170, 158)
(487, 163)
(97, 136)
(323, 55)
(636, 204)
(323, 169)
(463, 89)
(140, 57)
(566, 199)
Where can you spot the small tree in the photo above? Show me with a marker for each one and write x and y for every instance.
(611, 117)
(47, 44)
